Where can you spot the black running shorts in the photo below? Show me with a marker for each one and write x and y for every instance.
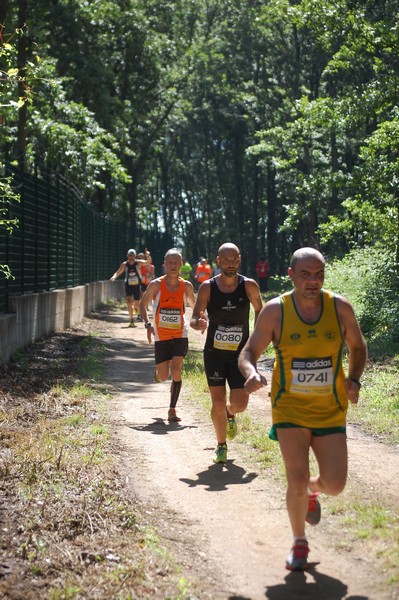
(221, 367)
(167, 349)
(132, 290)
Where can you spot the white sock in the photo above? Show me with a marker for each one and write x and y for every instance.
(300, 538)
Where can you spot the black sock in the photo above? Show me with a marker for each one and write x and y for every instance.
(174, 393)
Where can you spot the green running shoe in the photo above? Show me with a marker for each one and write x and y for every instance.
(220, 454)
(231, 429)
(298, 557)
(132, 323)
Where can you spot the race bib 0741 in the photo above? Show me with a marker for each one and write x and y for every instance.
(169, 318)
(227, 337)
(312, 376)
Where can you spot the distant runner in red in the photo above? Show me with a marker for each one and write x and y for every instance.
(262, 271)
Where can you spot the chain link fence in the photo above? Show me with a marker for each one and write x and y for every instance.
(62, 242)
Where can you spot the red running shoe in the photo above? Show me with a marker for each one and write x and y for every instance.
(314, 510)
(298, 557)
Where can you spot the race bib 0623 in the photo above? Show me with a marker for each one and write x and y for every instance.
(133, 279)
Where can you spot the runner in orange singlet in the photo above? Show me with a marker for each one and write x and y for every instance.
(203, 271)
(169, 295)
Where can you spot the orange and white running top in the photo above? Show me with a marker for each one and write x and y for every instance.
(203, 272)
(169, 308)
(145, 273)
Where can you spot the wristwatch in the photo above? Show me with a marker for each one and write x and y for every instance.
(147, 325)
(359, 385)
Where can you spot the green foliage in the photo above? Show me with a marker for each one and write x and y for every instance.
(274, 125)
(369, 279)
(10, 76)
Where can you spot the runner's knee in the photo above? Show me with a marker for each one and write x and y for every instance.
(332, 487)
(240, 403)
(176, 372)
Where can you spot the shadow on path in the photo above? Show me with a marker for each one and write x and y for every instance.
(298, 585)
(219, 476)
(161, 427)
(109, 318)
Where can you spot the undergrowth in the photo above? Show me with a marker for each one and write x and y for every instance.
(68, 528)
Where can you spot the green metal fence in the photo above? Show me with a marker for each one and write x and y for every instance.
(61, 242)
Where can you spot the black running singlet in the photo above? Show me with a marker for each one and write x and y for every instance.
(228, 314)
(132, 274)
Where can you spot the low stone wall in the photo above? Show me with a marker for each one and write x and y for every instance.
(34, 316)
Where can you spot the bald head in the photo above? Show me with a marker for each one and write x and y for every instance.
(306, 254)
(228, 247)
(229, 259)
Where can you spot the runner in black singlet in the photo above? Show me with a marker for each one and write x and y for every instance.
(131, 268)
(226, 298)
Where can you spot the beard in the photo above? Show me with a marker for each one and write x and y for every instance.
(230, 273)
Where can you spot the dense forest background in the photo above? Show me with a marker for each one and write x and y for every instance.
(272, 124)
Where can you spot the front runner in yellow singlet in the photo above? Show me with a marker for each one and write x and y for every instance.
(308, 385)
(309, 393)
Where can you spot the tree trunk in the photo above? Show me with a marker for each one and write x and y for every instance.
(21, 64)
(239, 198)
(334, 167)
(271, 219)
(255, 222)
(3, 15)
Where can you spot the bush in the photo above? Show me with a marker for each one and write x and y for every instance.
(369, 279)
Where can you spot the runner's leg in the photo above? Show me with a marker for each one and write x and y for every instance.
(294, 445)
(175, 371)
(218, 411)
(163, 369)
(238, 401)
(332, 457)
(129, 302)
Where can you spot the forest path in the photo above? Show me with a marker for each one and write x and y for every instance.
(227, 525)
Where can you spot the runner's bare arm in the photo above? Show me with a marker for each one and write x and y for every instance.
(356, 344)
(144, 261)
(151, 291)
(189, 291)
(253, 293)
(199, 321)
(118, 272)
(266, 328)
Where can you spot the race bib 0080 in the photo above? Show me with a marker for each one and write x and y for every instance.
(312, 376)
(227, 338)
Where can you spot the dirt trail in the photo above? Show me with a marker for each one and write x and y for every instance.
(227, 525)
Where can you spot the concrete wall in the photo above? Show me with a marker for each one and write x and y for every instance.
(34, 316)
